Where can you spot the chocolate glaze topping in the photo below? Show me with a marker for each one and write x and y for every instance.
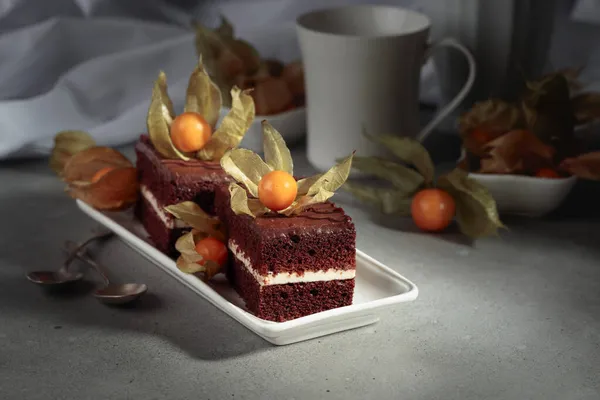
(210, 165)
(314, 216)
(185, 170)
(328, 214)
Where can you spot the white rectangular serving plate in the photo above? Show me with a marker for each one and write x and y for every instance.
(377, 286)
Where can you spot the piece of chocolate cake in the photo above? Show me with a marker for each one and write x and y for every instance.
(285, 267)
(179, 160)
(165, 182)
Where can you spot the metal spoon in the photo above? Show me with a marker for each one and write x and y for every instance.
(63, 275)
(110, 293)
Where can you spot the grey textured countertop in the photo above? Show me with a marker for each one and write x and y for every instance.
(514, 317)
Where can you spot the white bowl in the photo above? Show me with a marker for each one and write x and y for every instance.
(291, 124)
(526, 195)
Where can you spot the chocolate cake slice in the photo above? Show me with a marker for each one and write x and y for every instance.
(288, 267)
(165, 182)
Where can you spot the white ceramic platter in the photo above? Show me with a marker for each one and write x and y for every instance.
(377, 286)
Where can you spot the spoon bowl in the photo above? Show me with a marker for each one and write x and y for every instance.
(64, 276)
(120, 294)
(54, 278)
(110, 293)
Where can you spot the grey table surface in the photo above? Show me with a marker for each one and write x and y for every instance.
(514, 317)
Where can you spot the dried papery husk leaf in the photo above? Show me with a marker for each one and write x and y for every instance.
(233, 127)
(225, 86)
(263, 72)
(321, 196)
(470, 162)
(274, 67)
(305, 184)
(409, 151)
(494, 117)
(188, 265)
(66, 144)
(293, 74)
(208, 43)
(515, 152)
(548, 110)
(585, 166)
(160, 116)
(331, 180)
(239, 200)
(191, 213)
(227, 67)
(225, 51)
(476, 140)
(83, 166)
(277, 154)
(586, 107)
(164, 94)
(225, 29)
(272, 96)
(405, 179)
(203, 96)
(571, 75)
(322, 187)
(388, 200)
(189, 259)
(116, 190)
(464, 164)
(257, 208)
(186, 245)
(246, 167)
(211, 269)
(476, 211)
(246, 52)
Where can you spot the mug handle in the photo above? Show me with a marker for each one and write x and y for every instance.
(451, 106)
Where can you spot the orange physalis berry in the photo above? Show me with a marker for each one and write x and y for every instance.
(212, 249)
(547, 173)
(481, 136)
(190, 132)
(277, 190)
(433, 209)
(100, 173)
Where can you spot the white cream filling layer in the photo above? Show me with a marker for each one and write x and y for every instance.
(165, 217)
(290, 277)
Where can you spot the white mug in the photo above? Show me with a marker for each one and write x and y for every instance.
(362, 71)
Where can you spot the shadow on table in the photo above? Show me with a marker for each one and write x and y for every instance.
(579, 210)
(405, 224)
(576, 220)
(168, 310)
(201, 334)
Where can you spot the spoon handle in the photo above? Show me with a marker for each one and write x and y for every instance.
(80, 253)
(77, 248)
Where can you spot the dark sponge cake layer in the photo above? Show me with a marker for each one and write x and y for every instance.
(319, 238)
(174, 181)
(289, 301)
(161, 236)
